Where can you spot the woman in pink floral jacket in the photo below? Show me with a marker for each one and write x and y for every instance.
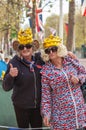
(62, 104)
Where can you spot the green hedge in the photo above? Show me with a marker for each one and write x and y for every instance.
(7, 115)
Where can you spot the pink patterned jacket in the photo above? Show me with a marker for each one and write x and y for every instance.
(62, 101)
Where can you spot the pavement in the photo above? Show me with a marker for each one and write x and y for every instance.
(83, 61)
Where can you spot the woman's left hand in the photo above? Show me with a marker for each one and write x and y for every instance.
(73, 56)
(74, 79)
(46, 121)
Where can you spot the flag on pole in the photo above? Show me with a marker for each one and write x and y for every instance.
(83, 4)
(30, 22)
(66, 28)
(41, 35)
(39, 20)
(39, 17)
(52, 30)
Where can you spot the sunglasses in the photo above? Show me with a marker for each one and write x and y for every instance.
(21, 47)
(53, 49)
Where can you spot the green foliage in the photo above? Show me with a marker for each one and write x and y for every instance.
(80, 30)
(10, 14)
(13, 33)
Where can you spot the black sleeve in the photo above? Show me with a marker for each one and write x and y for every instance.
(38, 59)
(8, 80)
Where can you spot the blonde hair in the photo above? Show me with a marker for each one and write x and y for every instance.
(62, 50)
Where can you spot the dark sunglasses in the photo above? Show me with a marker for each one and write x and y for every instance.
(53, 49)
(21, 47)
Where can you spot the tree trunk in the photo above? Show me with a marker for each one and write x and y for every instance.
(6, 45)
(34, 18)
(71, 22)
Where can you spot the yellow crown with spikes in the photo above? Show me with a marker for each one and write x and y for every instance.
(51, 41)
(25, 36)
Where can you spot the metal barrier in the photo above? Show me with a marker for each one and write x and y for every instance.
(14, 128)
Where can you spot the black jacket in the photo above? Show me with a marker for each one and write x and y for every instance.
(26, 86)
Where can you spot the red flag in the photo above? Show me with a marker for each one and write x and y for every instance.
(84, 13)
(66, 28)
(84, 8)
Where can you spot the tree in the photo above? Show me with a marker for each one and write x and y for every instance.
(33, 18)
(71, 22)
(80, 30)
(10, 19)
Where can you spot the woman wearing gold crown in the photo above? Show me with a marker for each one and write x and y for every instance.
(23, 76)
(62, 104)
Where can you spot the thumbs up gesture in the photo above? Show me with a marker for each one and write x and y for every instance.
(13, 71)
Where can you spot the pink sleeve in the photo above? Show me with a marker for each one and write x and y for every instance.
(46, 97)
(80, 69)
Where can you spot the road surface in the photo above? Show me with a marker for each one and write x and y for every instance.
(83, 62)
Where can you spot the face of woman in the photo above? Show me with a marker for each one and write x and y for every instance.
(53, 55)
(52, 52)
(25, 50)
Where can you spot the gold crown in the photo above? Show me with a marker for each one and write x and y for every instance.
(51, 41)
(25, 36)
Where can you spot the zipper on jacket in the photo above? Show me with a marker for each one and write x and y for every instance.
(35, 89)
(35, 101)
(72, 99)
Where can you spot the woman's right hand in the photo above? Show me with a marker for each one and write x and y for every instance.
(13, 71)
(74, 79)
(46, 121)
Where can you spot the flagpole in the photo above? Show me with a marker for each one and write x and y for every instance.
(61, 20)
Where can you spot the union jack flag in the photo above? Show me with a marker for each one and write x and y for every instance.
(39, 17)
(39, 20)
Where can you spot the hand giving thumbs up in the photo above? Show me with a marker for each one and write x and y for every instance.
(13, 71)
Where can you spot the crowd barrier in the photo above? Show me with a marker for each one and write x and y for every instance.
(10, 128)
